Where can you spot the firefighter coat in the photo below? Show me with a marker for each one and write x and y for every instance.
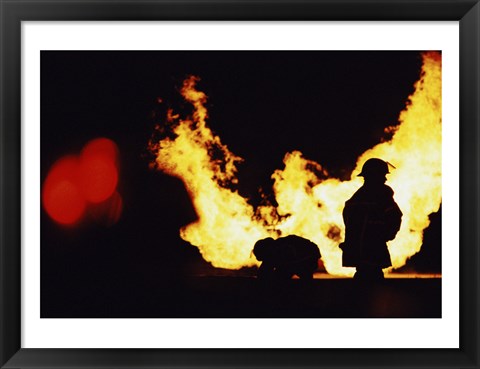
(371, 217)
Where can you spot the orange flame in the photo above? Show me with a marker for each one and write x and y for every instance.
(225, 232)
(308, 206)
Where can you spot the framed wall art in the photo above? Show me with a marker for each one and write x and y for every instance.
(239, 184)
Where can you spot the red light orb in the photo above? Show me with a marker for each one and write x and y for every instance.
(101, 147)
(98, 170)
(61, 197)
(99, 179)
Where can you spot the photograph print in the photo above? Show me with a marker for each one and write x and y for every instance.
(241, 184)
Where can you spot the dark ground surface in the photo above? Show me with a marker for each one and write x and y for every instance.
(246, 297)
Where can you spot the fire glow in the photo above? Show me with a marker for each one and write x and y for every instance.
(308, 206)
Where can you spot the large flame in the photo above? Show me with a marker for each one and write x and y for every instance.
(308, 206)
(225, 232)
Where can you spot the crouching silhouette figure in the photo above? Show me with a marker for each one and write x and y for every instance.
(285, 257)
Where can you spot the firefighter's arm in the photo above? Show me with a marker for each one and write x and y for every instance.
(393, 221)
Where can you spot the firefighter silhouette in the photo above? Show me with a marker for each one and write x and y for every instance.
(285, 257)
(371, 217)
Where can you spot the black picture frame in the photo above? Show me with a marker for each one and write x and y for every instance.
(12, 355)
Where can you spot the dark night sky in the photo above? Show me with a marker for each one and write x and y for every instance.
(331, 106)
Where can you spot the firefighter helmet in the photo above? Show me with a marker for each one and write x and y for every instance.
(374, 166)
